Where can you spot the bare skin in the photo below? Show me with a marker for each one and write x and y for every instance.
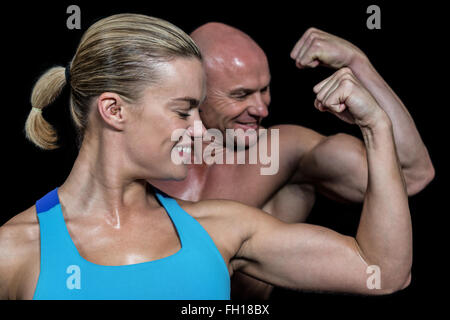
(106, 198)
(238, 96)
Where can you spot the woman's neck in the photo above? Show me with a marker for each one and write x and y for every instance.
(99, 185)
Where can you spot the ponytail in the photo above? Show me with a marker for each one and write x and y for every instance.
(45, 91)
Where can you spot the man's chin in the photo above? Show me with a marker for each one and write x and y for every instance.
(246, 127)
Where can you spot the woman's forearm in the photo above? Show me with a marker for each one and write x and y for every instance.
(384, 233)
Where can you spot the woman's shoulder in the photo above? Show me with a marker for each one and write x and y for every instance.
(227, 214)
(218, 208)
(19, 231)
(22, 227)
(19, 242)
(226, 221)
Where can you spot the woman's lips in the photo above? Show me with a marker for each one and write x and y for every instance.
(184, 152)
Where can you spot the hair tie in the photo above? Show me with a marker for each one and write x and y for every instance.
(67, 73)
(37, 109)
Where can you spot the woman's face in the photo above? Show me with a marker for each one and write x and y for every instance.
(170, 105)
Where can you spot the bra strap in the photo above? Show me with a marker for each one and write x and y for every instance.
(47, 202)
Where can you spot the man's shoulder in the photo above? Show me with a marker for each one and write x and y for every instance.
(295, 141)
(294, 132)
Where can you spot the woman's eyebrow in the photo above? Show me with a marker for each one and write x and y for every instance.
(193, 102)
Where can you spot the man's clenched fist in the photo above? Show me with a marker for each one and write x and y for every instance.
(318, 47)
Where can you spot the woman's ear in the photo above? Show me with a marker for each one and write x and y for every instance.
(110, 106)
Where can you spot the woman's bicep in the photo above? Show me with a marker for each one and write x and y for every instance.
(303, 257)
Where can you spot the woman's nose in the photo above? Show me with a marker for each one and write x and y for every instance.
(196, 128)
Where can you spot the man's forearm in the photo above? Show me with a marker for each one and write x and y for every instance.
(384, 233)
(412, 153)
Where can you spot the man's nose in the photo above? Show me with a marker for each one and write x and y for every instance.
(258, 107)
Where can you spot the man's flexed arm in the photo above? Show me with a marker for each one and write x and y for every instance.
(312, 257)
(317, 47)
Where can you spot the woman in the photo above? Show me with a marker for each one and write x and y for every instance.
(106, 234)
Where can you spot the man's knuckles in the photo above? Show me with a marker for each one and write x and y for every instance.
(345, 71)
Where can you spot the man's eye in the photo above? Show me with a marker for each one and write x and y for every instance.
(240, 97)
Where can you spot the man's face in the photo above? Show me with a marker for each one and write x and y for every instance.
(238, 95)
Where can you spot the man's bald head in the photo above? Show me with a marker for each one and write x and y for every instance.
(238, 79)
(226, 49)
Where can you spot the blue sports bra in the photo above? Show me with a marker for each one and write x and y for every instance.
(196, 272)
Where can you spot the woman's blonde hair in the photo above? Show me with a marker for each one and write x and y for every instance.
(120, 54)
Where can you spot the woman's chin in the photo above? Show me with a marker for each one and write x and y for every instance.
(179, 174)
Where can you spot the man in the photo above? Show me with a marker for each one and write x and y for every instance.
(238, 96)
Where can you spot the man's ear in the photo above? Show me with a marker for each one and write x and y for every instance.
(110, 106)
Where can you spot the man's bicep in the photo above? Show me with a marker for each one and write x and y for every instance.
(292, 203)
(294, 143)
(304, 257)
(337, 166)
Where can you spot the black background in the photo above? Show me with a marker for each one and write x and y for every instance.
(409, 52)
